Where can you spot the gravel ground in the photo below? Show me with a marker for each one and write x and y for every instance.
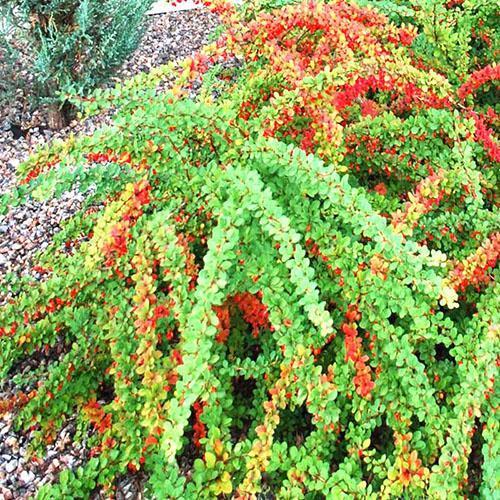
(27, 229)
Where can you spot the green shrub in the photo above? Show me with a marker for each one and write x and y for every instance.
(75, 44)
(8, 73)
(457, 36)
(288, 289)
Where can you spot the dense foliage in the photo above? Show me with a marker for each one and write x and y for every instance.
(286, 285)
(73, 45)
(9, 80)
(455, 36)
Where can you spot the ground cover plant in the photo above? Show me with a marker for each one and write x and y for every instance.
(286, 285)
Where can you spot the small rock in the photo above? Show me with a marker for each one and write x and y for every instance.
(14, 162)
(12, 442)
(26, 477)
(5, 494)
(11, 466)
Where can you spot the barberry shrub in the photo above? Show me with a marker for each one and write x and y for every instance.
(289, 288)
(454, 37)
(74, 45)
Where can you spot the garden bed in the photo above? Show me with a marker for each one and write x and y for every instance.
(287, 290)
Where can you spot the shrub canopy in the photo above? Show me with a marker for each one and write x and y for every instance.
(289, 287)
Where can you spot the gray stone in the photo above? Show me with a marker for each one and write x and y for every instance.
(11, 466)
(26, 477)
